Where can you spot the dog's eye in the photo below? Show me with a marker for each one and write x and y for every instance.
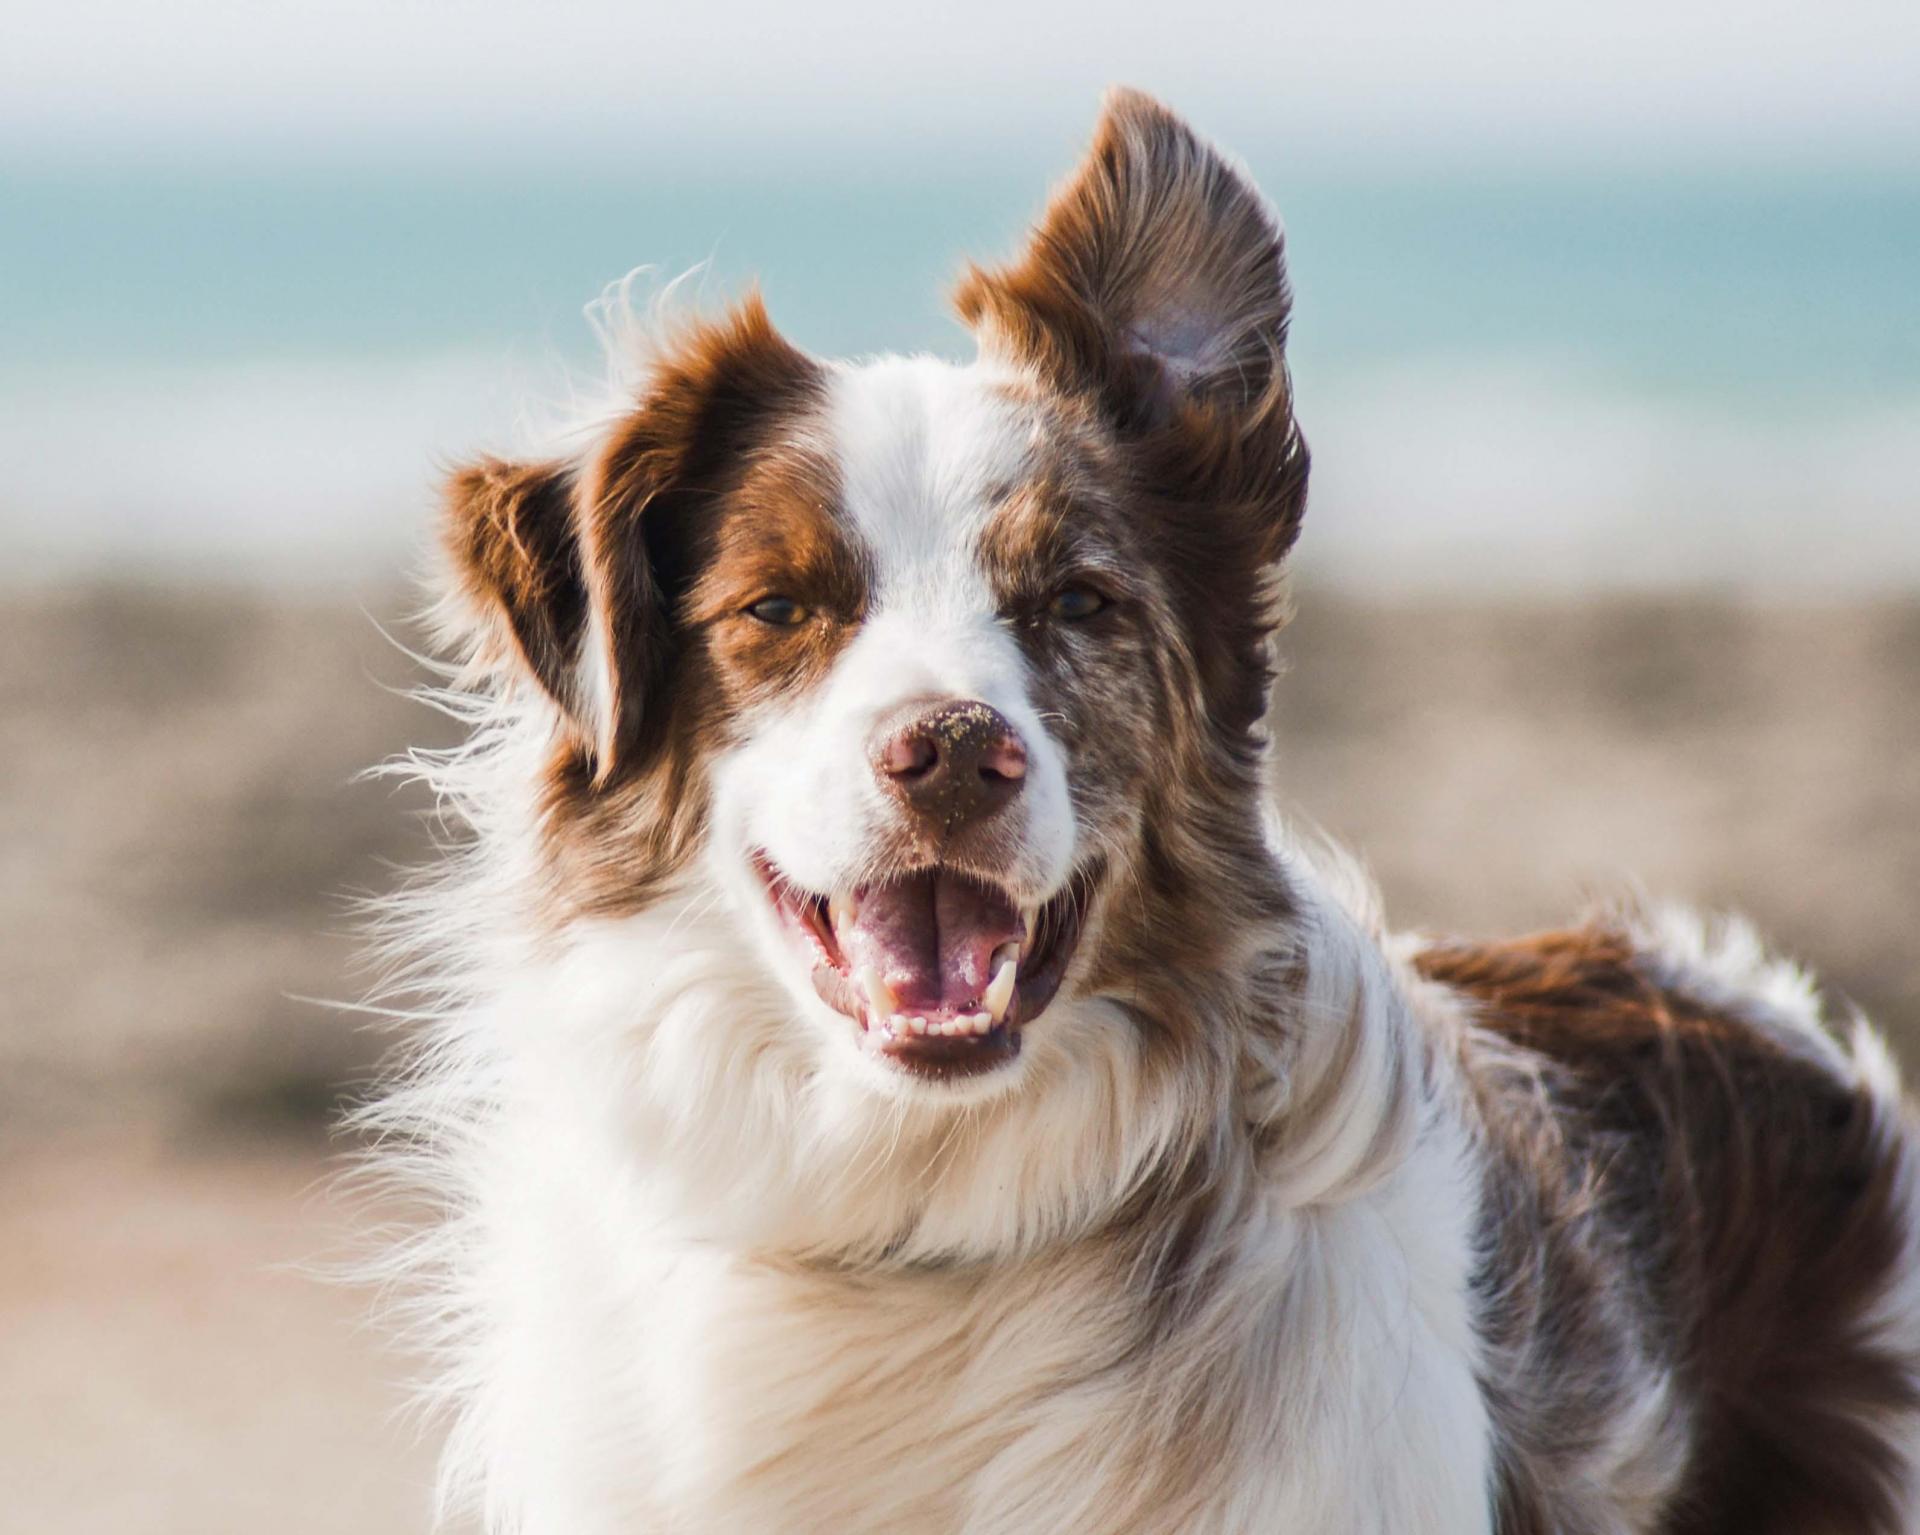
(1073, 603)
(781, 612)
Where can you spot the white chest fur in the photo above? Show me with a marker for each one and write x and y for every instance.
(1317, 1377)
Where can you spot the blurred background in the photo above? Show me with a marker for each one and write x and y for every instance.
(1607, 340)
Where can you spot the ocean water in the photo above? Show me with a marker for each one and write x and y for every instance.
(1510, 382)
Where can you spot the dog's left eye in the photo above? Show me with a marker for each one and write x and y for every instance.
(781, 612)
(1072, 603)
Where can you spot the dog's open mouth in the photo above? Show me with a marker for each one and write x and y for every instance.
(938, 968)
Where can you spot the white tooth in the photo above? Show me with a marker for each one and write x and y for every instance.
(1029, 931)
(982, 1023)
(1000, 988)
(919, 1025)
(879, 996)
(840, 909)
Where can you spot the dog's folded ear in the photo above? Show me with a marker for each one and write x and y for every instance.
(511, 533)
(574, 570)
(1156, 280)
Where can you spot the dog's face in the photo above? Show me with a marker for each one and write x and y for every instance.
(940, 615)
(944, 681)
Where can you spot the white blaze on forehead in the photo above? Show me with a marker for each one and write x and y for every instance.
(924, 448)
(924, 451)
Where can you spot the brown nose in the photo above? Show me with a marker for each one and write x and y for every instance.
(955, 763)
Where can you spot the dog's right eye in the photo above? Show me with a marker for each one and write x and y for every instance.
(781, 612)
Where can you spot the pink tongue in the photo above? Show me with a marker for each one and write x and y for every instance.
(931, 937)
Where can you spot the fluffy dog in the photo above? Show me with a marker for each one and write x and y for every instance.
(888, 1071)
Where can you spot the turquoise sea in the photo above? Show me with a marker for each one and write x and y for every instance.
(1589, 378)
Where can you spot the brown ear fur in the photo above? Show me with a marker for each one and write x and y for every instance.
(1156, 281)
(546, 552)
(509, 531)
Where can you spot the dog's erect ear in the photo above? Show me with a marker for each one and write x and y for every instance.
(568, 559)
(1156, 280)
(1155, 273)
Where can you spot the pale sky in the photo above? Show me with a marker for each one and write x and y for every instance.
(1757, 81)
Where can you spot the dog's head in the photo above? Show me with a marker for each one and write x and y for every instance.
(943, 684)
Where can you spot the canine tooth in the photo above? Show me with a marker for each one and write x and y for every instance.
(841, 907)
(1000, 989)
(879, 994)
(1029, 931)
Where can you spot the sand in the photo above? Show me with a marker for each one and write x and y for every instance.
(179, 826)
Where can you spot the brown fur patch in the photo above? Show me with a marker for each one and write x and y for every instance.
(700, 503)
(1676, 1184)
(709, 408)
(779, 534)
(1104, 684)
(1156, 247)
(508, 529)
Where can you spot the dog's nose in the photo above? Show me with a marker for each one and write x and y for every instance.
(953, 763)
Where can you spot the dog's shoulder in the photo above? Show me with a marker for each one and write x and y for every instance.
(1664, 1031)
(1671, 1103)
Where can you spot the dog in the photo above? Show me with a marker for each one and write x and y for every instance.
(887, 1069)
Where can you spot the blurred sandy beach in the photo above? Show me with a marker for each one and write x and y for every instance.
(181, 828)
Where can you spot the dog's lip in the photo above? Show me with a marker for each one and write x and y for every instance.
(948, 1040)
